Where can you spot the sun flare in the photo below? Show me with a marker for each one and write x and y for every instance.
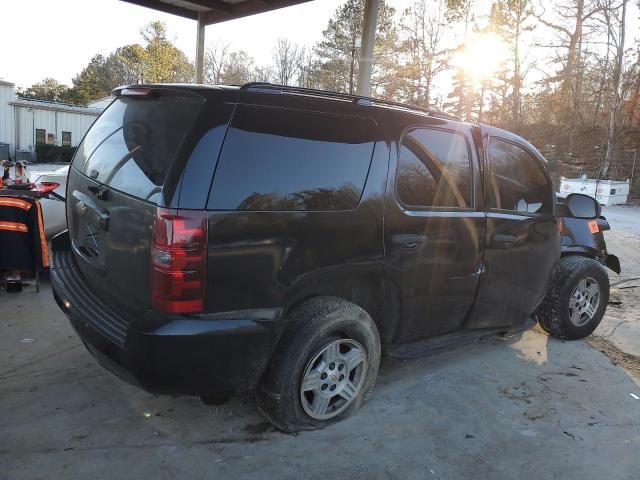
(482, 56)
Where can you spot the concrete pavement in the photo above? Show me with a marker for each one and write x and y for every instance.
(524, 407)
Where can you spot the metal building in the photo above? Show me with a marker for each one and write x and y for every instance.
(27, 123)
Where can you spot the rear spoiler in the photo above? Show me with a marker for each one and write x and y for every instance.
(153, 91)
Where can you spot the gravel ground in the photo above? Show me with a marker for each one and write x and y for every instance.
(620, 328)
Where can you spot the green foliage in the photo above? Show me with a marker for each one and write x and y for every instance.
(48, 89)
(54, 153)
(126, 65)
(336, 51)
(158, 62)
(163, 62)
(91, 83)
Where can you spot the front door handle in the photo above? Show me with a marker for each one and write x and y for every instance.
(504, 240)
(409, 240)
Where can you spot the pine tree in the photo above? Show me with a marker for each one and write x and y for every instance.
(337, 53)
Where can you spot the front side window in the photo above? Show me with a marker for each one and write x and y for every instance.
(434, 169)
(516, 180)
(282, 159)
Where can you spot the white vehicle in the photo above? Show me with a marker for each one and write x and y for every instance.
(53, 211)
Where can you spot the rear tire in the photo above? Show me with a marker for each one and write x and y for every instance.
(576, 300)
(324, 367)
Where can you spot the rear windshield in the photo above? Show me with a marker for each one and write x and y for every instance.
(132, 144)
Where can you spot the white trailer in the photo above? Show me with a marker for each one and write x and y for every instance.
(607, 192)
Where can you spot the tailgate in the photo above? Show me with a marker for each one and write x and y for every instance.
(115, 186)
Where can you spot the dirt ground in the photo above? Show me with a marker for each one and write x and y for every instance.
(619, 333)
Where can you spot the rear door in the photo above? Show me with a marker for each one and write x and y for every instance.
(523, 239)
(115, 184)
(434, 230)
(295, 207)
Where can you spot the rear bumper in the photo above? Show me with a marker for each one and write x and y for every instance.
(223, 354)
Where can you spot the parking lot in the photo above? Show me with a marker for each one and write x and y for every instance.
(524, 406)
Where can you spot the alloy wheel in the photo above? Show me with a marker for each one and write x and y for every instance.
(584, 302)
(333, 379)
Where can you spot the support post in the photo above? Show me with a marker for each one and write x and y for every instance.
(200, 49)
(368, 41)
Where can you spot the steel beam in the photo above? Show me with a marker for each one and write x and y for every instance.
(200, 49)
(368, 41)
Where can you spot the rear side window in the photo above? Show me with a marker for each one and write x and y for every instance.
(132, 144)
(434, 169)
(516, 180)
(281, 159)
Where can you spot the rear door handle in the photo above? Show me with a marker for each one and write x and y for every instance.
(409, 240)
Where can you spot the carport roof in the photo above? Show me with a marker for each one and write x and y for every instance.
(215, 11)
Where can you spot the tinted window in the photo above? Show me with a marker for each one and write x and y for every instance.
(206, 141)
(132, 144)
(279, 159)
(517, 182)
(434, 169)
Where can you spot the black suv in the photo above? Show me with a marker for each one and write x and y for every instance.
(269, 238)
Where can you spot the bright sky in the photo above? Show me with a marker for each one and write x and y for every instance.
(57, 38)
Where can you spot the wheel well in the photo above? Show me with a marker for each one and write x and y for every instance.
(578, 254)
(375, 315)
(301, 301)
(586, 253)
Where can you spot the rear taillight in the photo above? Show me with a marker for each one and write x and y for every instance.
(179, 261)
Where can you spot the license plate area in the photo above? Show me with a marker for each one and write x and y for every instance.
(90, 229)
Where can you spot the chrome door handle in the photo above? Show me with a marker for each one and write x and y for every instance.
(409, 240)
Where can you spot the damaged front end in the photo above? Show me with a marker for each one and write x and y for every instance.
(585, 237)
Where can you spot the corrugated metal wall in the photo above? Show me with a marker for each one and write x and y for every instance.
(7, 135)
(74, 123)
(52, 122)
(18, 123)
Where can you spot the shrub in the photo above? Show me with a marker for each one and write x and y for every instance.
(54, 153)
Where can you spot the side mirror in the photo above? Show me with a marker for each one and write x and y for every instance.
(582, 206)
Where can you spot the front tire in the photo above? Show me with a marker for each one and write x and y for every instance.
(324, 367)
(577, 299)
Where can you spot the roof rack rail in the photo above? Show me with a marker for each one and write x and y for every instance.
(357, 99)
